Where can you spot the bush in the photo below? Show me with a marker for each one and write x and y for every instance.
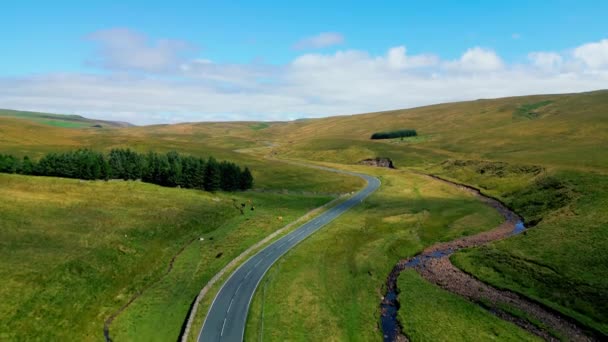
(402, 133)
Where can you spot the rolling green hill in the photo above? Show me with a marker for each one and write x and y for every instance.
(546, 156)
(61, 120)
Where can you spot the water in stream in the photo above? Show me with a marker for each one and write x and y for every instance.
(390, 304)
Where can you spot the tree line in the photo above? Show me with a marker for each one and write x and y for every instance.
(402, 133)
(169, 169)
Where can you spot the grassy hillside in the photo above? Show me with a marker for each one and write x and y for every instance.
(338, 299)
(224, 141)
(545, 156)
(60, 120)
(424, 305)
(72, 252)
(566, 131)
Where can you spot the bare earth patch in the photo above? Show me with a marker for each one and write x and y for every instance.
(434, 265)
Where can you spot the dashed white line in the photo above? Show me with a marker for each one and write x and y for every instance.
(247, 275)
(229, 306)
(223, 325)
(237, 289)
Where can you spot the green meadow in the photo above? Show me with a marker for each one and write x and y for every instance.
(73, 252)
(424, 305)
(339, 298)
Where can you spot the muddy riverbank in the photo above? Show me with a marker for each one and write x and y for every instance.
(434, 265)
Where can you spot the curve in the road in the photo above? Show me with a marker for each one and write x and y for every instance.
(227, 316)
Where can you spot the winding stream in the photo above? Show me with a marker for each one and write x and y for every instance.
(434, 265)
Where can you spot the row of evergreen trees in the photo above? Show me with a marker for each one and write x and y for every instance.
(402, 133)
(170, 169)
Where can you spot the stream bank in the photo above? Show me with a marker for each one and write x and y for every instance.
(434, 265)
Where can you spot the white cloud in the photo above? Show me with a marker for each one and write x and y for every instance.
(397, 59)
(477, 59)
(594, 55)
(121, 48)
(546, 61)
(312, 85)
(319, 41)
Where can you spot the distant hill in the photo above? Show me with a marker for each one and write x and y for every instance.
(61, 120)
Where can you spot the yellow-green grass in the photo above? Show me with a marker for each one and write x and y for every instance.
(60, 120)
(206, 301)
(560, 262)
(329, 288)
(72, 252)
(429, 313)
(564, 132)
(159, 313)
(221, 140)
(570, 131)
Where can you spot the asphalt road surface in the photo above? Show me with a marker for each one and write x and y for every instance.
(227, 315)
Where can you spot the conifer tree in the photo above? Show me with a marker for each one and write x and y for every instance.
(246, 180)
(212, 175)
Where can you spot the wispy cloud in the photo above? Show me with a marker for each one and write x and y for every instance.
(122, 48)
(319, 41)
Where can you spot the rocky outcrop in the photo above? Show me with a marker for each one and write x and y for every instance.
(379, 162)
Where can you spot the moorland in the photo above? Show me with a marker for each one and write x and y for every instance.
(74, 252)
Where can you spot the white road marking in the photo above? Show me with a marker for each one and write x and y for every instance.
(223, 325)
(229, 306)
(247, 275)
(237, 289)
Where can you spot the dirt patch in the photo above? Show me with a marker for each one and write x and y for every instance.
(434, 265)
(440, 271)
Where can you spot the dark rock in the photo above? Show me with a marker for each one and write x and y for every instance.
(379, 162)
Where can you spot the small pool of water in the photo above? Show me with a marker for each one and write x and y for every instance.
(519, 227)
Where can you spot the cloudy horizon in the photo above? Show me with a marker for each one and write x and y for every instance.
(128, 74)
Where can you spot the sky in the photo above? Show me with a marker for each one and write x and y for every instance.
(149, 62)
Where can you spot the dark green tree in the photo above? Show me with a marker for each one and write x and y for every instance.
(246, 180)
(27, 166)
(212, 175)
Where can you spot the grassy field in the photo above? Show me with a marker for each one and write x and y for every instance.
(559, 262)
(221, 140)
(424, 305)
(545, 156)
(339, 298)
(568, 131)
(60, 120)
(72, 252)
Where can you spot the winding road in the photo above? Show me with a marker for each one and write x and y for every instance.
(227, 316)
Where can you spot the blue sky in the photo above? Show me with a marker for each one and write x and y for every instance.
(298, 59)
